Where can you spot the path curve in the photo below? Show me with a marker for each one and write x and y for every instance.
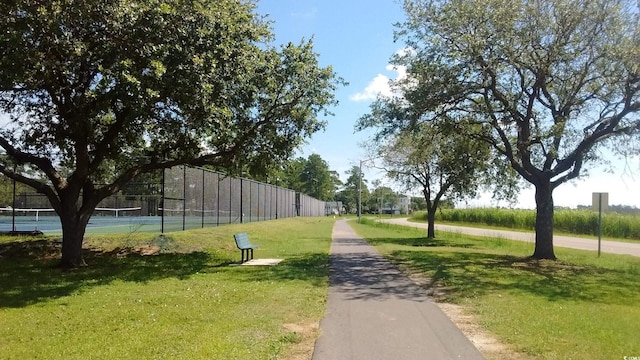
(607, 246)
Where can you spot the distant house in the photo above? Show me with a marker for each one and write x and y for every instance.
(399, 206)
(333, 208)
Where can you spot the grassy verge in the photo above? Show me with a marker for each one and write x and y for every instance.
(184, 302)
(580, 307)
(578, 222)
(556, 231)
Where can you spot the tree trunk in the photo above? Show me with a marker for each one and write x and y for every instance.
(544, 222)
(74, 226)
(431, 223)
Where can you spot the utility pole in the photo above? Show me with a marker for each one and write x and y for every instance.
(360, 192)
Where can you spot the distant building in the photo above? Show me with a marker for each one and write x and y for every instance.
(333, 208)
(399, 206)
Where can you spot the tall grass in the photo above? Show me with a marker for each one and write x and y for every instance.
(580, 222)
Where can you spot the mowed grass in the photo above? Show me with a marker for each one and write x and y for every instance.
(579, 307)
(184, 302)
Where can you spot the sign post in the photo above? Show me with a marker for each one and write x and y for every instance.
(600, 203)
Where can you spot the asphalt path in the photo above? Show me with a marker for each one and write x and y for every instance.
(374, 311)
(606, 246)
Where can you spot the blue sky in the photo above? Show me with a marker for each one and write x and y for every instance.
(356, 38)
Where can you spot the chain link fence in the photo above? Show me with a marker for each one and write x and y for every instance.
(182, 198)
(196, 197)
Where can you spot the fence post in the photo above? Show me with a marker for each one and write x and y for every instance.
(202, 204)
(241, 202)
(218, 201)
(13, 203)
(184, 196)
(162, 201)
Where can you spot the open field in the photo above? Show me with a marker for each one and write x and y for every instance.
(581, 307)
(167, 297)
(578, 222)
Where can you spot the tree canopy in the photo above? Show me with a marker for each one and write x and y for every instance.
(383, 198)
(317, 178)
(310, 176)
(439, 161)
(101, 91)
(549, 83)
(355, 192)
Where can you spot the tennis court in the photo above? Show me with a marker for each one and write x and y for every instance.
(187, 198)
(114, 220)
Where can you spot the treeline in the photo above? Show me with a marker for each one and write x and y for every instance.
(579, 222)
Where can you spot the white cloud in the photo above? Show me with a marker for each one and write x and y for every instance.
(305, 14)
(380, 85)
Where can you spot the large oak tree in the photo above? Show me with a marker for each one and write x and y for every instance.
(551, 83)
(100, 91)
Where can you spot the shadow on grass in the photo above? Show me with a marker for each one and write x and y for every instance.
(312, 267)
(29, 273)
(309, 267)
(469, 274)
(423, 242)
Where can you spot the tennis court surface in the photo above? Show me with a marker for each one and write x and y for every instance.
(111, 220)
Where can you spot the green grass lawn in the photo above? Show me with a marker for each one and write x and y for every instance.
(185, 302)
(580, 223)
(555, 232)
(580, 307)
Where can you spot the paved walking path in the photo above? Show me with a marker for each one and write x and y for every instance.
(375, 312)
(607, 246)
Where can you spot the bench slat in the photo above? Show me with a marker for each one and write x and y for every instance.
(243, 243)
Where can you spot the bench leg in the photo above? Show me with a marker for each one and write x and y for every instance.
(248, 256)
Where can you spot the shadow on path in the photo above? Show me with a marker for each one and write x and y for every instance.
(366, 275)
(374, 311)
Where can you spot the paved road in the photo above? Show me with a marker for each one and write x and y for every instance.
(375, 312)
(614, 247)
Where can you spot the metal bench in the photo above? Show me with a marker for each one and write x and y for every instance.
(245, 246)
